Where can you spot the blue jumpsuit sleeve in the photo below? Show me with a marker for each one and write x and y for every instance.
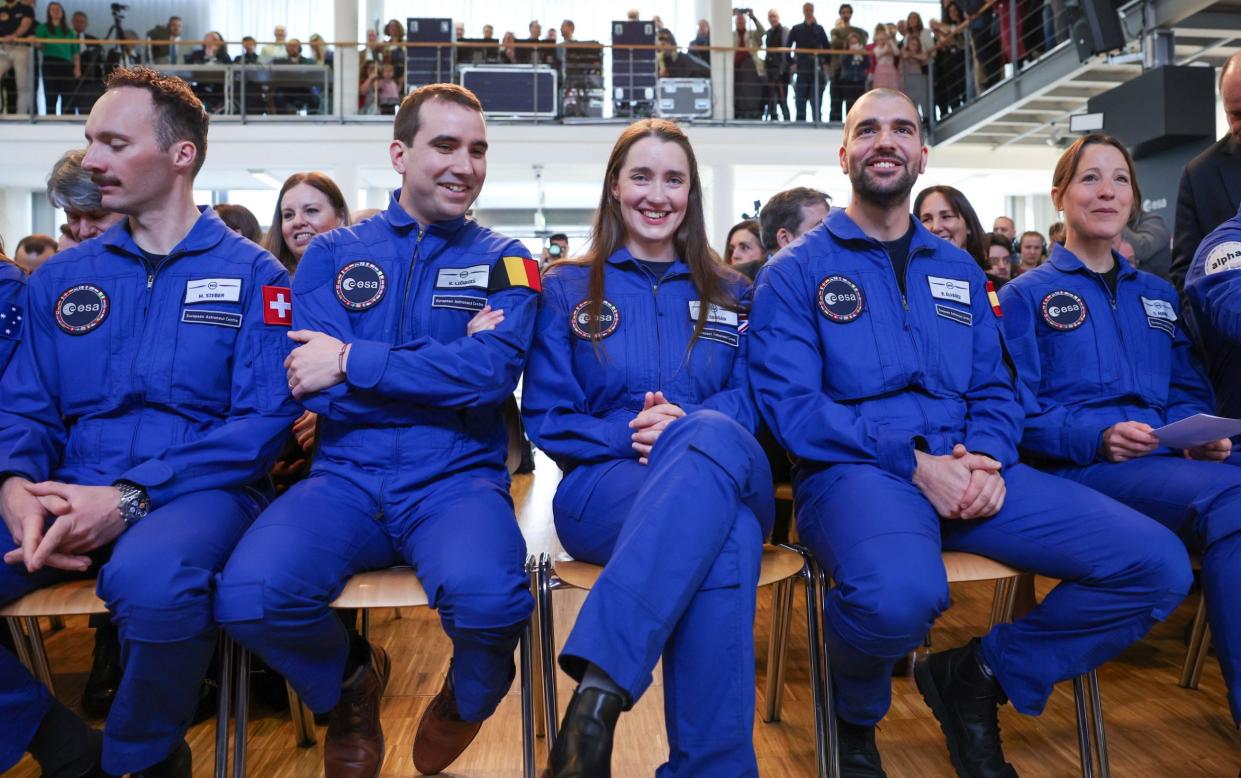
(12, 288)
(554, 406)
(786, 377)
(735, 400)
(32, 431)
(994, 413)
(1052, 429)
(242, 449)
(481, 370)
(1189, 389)
(1216, 295)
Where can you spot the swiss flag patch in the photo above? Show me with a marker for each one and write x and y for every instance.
(278, 306)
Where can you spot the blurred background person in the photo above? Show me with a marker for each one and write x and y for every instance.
(947, 213)
(743, 249)
(71, 188)
(33, 250)
(62, 64)
(999, 259)
(241, 221)
(787, 215)
(1031, 251)
(308, 204)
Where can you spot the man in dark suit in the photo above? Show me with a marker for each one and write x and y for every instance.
(1210, 190)
(90, 85)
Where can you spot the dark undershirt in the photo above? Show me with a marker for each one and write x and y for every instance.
(898, 253)
(1109, 278)
(656, 269)
(152, 261)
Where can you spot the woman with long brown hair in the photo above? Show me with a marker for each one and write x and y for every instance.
(636, 386)
(308, 204)
(1102, 348)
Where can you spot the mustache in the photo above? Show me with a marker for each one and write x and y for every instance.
(98, 180)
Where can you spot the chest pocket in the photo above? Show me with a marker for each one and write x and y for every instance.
(86, 350)
(855, 357)
(706, 369)
(1073, 366)
(625, 358)
(1155, 323)
(204, 345)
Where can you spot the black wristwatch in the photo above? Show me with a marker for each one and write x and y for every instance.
(135, 504)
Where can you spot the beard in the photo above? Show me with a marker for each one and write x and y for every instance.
(885, 194)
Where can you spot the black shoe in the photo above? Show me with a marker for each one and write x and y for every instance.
(859, 756)
(584, 745)
(527, 459)
(965, 700)
(93, 751)
(178, 764)
(105, 673)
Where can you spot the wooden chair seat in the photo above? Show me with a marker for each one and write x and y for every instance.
(394, 587)
(72, 598)
(784, 492)
(961, 567)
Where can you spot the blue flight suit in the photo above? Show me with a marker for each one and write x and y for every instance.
(411, 460)
(853, 375)
(12, 285)
(1212, 286)
(1125, 357)
(681, 538)
(172, 380)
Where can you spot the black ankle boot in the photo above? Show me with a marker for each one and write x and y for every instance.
(584, 745)
(859, 756)
(966, 699)
(105, 672)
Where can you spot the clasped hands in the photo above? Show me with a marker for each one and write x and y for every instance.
(656, 414)
(960, 485)
(87, 517)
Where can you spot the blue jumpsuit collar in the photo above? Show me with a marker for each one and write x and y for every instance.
(1066, 261)
(844, 228)
(623, 256)
(401, 221)
(206, 233)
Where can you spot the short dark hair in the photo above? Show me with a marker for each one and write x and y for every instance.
(996, 239)
(558, 236)
(405, 127)
(179, 113)
(784, 210)
(843, 6)
(248, 38)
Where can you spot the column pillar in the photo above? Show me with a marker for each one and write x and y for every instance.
(719, 14)
(720, 215)
(348, 26)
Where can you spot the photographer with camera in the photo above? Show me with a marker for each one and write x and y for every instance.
(557, 248)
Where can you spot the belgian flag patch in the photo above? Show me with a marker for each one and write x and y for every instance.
(515, 271)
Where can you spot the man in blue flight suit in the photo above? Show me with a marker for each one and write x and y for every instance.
(877, 360)
(138, 419)
(410, 467)
(1212, 288)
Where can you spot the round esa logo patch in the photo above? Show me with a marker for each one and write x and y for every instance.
(840, 299)
(360, 285)
(81, 309)
(609, 320)
(1064, 310)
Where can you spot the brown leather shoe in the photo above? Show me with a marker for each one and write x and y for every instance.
(354, 747)
(442, 735)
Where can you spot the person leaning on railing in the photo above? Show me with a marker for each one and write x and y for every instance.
(61, 63)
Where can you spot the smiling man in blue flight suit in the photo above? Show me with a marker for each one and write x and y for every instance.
(877, 361)
(1213, 289)
(410, 467)
(138, 417)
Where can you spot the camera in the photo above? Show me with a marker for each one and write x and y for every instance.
(118, 7)
(554, 250)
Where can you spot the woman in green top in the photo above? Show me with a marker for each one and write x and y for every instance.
(62, 64)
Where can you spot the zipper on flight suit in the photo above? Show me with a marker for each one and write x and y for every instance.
(409, 279)
(151, 273)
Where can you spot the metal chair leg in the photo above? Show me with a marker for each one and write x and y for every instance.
(1100, 734)
(1083, 727)
(241, 715)
(1199, 642)
(536, 645)
(777, 647)
(303, 719)
(366, 624)
(547, 639)
(57, 623)
(527, 698)
(21, 646)
(38, 654)
(829, 703)
(999, 602)
(224, 706)
(824, 715)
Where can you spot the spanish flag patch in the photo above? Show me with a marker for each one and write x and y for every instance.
(515, 271)
(994, 299)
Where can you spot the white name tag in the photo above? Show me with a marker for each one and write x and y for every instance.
(950, 289)
(1159, 309)
(463, 277)
(213, 290)
(715, 314)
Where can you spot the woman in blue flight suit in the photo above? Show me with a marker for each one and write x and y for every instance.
(1104, 361)
(636, 387)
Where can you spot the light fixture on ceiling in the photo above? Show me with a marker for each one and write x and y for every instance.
(264, 177)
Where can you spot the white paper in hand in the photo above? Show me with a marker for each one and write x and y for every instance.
(1196, 430)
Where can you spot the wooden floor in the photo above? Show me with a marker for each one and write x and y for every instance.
(1154, 727)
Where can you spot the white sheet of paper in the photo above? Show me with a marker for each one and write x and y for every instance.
(1196, 430)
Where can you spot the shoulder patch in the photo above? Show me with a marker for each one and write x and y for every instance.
(994, 299)
(81, 309)
(580, 320)
(1063, 310)
(840, 299)
(1225, 256)
(515, 271)
(278, 306)
(360, 285)
(11, 321)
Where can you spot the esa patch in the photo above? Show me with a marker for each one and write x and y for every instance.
(840, 299)
(81, 309)
(360, 285)
(1063, 310)
(580, 320)
(1225, 256)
